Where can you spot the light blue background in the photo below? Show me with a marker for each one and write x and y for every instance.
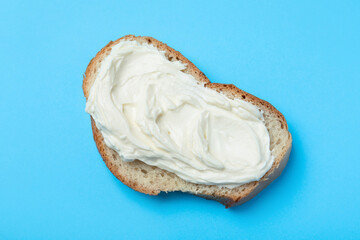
(302, 57)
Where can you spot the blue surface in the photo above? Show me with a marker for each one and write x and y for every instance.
(302, 57)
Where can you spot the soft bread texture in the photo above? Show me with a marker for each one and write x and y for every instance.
(152, 180)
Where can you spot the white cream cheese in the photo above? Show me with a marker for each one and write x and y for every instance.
(148, 109)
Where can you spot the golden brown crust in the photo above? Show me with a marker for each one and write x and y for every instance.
(237, 195)
(104, 152)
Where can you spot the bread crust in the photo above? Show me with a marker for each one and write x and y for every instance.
(121, 169)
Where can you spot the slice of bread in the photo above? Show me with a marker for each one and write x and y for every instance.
(152, 180)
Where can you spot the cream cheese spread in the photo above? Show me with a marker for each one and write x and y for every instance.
(147, 108)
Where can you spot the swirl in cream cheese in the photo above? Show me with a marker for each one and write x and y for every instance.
(148, 109)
